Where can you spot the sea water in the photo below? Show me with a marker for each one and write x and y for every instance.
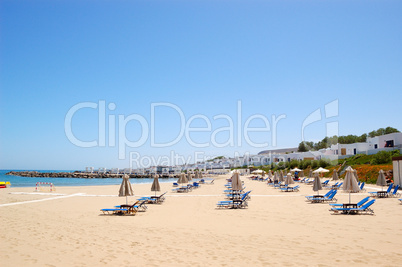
(18, 181)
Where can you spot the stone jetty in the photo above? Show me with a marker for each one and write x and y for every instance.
(79, 174)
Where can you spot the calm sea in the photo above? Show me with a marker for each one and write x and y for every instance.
(17, 181)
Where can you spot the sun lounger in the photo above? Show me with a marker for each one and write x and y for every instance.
(210, 182)
(183, 189)
(232, 191)
(139, 205)
(290, 189)
(160, 198)
(363, 209)
(148, 200)
(233, 204)
(239, 195)
(362, 187)
(359, 204)
(154, 199)
(337, 186)
(325, 183)
(277, 186)
(394, 193)
(117, 211)
(332, 186)
(400, 200)
(122, 210)
(274, 183)
(175, 184)
(330, 198)
(381, 193)
(326, 195)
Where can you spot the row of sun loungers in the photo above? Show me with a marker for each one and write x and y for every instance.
(236, 199)
(139, 206)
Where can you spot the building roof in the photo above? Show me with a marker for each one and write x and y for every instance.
(278, 151)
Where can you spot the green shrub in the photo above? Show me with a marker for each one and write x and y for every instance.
(314, 164)
(323, 163)
(293, 164)
(300, 164)
(306, 164)
(382, 157)
(281, 165)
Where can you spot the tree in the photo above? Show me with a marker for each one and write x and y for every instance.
(362, 138)
(309, 145)
(348, 139)
(322, 144)
(302, 147)
(372, 134)
(389, 130)
(332, 140)
(382, 131)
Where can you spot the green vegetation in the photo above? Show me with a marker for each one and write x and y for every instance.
(367, 166)
(382, 157)
(303, 164)
(219, 157)
(348, 139)
(383, 131)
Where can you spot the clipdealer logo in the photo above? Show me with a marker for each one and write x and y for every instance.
(113, 130)
(236, 130)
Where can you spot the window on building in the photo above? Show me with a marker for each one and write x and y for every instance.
(389, 143)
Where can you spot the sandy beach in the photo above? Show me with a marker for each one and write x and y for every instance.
(66, 228)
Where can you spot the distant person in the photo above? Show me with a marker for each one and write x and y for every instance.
(389, 177)
(297, 176)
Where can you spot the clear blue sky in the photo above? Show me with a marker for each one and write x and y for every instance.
(276, 57)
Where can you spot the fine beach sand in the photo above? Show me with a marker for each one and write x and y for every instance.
(66, 228)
